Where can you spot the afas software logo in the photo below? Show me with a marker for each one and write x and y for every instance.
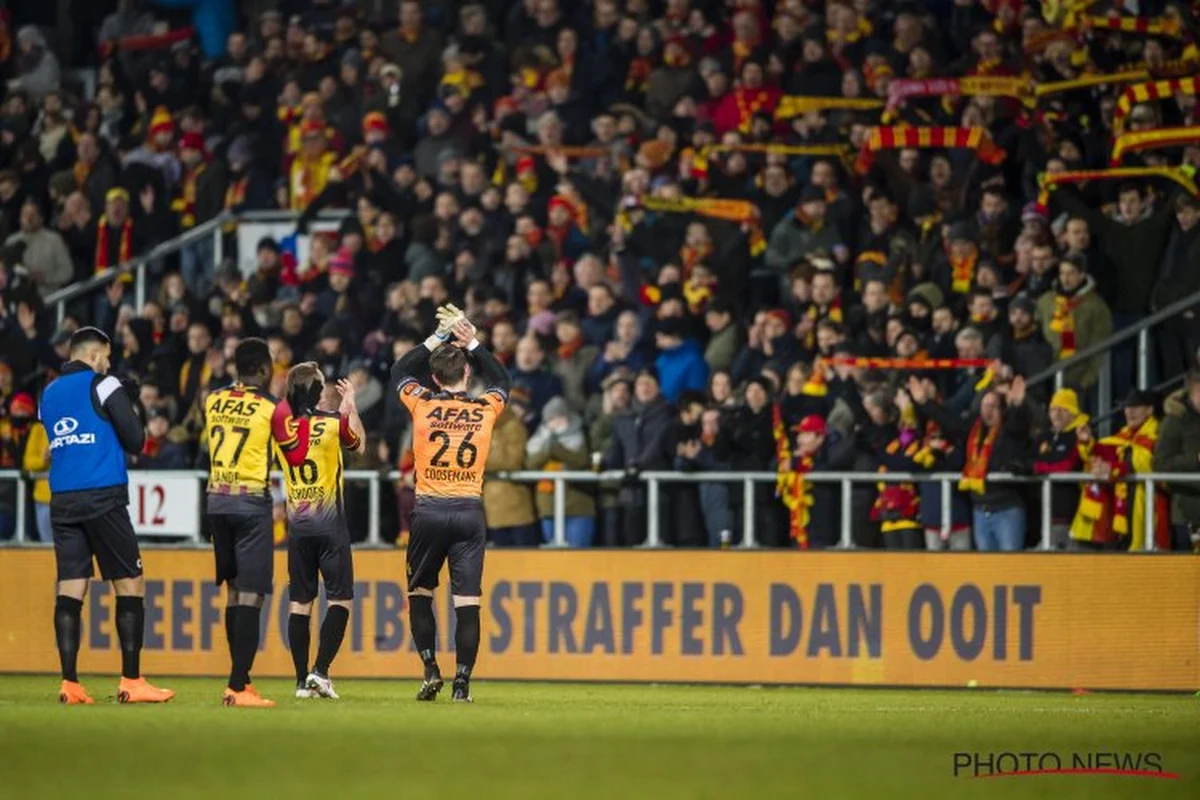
(1030, 764)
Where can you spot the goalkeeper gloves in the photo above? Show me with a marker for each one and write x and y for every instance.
(448, 317)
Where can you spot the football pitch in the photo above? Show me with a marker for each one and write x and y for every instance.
(602, 741)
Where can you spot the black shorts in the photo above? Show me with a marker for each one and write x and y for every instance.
(442, 529)
(327, 555)
(244, 546)
(109, 538)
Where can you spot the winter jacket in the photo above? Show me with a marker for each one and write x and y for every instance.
(1027, 355)
(1178, 450)
(507, 504)
(1135, 249)
(723, 347)
(542, 385)
(791, 240)
(1057, 453)
(681, 370)
(573, 371)
(550, 451)
(1180, 272)
(1092, 322)
(1010, 453)
(46, 258)
(641, 438)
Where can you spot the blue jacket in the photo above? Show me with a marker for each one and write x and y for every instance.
(214, 20)
(681, 369)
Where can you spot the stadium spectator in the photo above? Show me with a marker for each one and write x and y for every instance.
(995, 440)
(560, 443)
(509, 506)
(45, 256)
(1061, 449)
(1178, 450)
(1075, 317)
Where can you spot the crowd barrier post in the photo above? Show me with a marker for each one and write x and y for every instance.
(652, 534)
(847, 542)
(22, 509)
(748, 538)
(947, 521)
(1143, 355)
(1047, 539)
(140, 285)
(1148, 525)
(218, 245)
(560, 512)
(373, 537)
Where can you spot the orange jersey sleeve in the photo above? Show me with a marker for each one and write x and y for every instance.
(452, 435)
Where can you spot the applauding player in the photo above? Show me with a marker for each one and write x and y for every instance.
(311, 441)
(452, 434)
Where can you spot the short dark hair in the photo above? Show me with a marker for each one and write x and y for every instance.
(691, 398)
(448, 365)
(88, 336)
(1129, 186)
(252, 359)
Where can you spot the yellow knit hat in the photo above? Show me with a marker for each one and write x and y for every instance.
(1067, 400)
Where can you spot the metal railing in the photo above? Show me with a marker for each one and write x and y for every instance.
(653, 482)
(214, 228)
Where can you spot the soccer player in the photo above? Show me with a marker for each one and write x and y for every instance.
(452, 434)
(237, 420)
(92, 424)
(318, 533)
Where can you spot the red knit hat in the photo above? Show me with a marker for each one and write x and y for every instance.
(22, 405)
(375, 121)
(192, 141)
(813, 423)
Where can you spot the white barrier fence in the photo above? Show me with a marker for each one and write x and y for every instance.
(167, 504)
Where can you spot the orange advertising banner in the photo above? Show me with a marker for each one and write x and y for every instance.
(871, 618)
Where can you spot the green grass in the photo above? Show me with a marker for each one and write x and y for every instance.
(571, 741)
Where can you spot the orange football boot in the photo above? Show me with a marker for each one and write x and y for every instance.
(140, 691)
(245, 699)
(72, 693)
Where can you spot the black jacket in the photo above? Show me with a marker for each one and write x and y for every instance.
(1012, 451)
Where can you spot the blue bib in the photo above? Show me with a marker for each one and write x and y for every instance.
(84, 450)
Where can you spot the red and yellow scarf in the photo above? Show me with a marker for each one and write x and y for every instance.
(185, 204)
(124, 248)
(750, 102)
(977, 458)
(962, 271)
(1063, 322)
(903, 136)
(790, 485)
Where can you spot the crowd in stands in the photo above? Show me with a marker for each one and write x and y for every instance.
(684, 225)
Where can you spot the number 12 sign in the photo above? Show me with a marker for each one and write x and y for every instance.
(164, 504)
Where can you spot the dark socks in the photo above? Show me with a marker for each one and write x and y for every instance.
(229, 617)
(245, 645)
(333, 629)
(424, 631)
(66, 633)
(299, 633)
(131, 630)
(466, 640)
